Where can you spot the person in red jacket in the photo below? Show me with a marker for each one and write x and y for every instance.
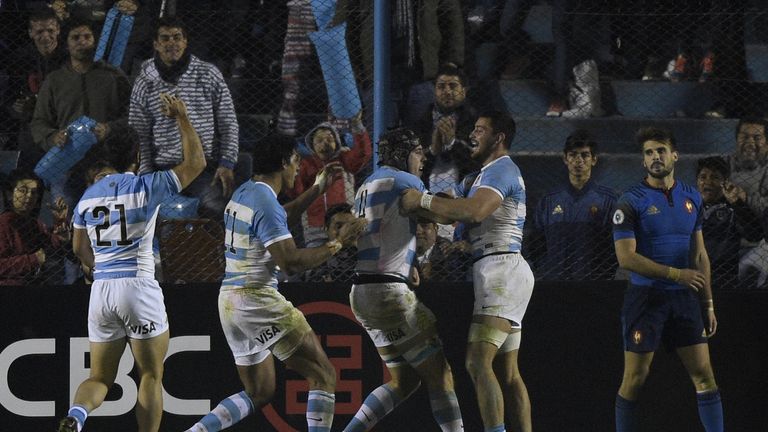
(326, 145)
(25, 242)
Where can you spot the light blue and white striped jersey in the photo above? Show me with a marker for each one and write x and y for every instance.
(388, 245)
(502, 231)
(119, 213)
(253, 219)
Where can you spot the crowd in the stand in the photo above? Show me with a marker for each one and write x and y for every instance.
(60, 105)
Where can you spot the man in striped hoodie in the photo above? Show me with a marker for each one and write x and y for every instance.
(176, 71)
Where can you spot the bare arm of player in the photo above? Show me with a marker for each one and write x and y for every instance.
(293, 260)
(699, 259)
(191, 147)
(629, 259)
(323, 181)
(474, 209)
(81, 246)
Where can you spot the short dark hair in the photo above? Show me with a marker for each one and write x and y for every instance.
(120, 147)
(714, 163)
(450, 69)
(93, 168)
(501, 122)
(752, 120)
(272, 152)
(580, 138)
(334, 210)
(171, 22)
(651, 133)
(74, 23)
(42, 14)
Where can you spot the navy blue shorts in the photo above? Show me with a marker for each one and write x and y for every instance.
(653, 315)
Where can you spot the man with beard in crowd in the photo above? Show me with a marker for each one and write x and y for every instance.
(750, 173)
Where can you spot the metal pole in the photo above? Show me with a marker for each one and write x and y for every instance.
(380, 73)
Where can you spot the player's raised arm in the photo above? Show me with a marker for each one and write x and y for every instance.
(323, 181)
(192, 149)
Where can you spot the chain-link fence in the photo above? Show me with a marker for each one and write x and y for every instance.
(586, 73)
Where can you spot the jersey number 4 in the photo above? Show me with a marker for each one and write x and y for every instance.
(106, 213)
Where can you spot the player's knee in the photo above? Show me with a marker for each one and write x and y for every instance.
(262, 395)
(511, 380)
(325, 375)
(635, 377)
(704, 381)
(477, 364)
(405, 385)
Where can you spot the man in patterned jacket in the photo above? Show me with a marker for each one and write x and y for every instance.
(174, 70)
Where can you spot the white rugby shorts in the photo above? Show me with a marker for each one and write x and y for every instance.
(254, 319)
(503, 286)
(132, 307)
(390, 312)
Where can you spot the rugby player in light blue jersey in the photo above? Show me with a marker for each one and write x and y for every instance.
(114, 224)
(492, 204)
(258, 322)
(402, 328)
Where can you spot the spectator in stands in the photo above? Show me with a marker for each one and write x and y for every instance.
(176, 71)
(340, 267)
(575, 81)
(30, 252)
(445, 130)
(81, 87)
(727, 219)
(28, 68)
(572, 225)
(680, 40)
(423, 34)
(327, 147)
(437, 257)
(296, 53)
(749, 171)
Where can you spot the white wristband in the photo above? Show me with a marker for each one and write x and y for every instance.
(426, 201)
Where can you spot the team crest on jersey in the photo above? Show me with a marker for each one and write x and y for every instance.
(689, 206)
(593, 210)
(637, 337)
(618, 217)
(652, 210)
(557, 210)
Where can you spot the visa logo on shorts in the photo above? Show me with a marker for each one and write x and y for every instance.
(142, 329)
(394, 335)
(267, 334)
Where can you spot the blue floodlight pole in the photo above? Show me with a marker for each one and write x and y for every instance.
(381, 76)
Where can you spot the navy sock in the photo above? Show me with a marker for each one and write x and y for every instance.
(626, 415)
(710, 410)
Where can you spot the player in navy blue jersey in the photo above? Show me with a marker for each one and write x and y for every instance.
(571, 239)
(491, 203)
(114, 225)
(658, 239)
